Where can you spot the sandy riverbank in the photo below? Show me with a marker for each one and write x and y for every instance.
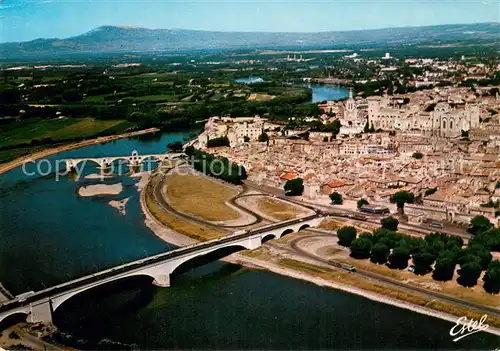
(55, 150)
(120, 205)
(100, 189)
(141, 184)
(177, 239)
(97, 176)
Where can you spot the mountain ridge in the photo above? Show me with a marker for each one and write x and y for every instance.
(123, 39)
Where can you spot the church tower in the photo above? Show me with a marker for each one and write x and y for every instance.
(351, 110)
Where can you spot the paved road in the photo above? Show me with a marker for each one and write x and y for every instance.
(160, 199)
(295, 248)
(424, 229)
(294, 244)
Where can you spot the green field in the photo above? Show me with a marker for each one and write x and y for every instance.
(9, 155)
(18, 133)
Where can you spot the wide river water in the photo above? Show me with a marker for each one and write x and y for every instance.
(48, 234)
(319, 92)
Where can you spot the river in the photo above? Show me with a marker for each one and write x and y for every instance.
(49, 234)
(319, 92)
(327, 92)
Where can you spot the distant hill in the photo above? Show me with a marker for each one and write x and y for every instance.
(120, 39)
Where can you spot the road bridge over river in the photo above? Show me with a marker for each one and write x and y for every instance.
(39, 306)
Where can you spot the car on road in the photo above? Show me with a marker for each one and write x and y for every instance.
(349, 268)
(436, 224)
(411, 269)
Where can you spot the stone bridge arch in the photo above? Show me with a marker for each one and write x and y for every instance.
(149, 158)
(73, 164)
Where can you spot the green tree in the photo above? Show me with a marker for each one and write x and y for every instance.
(423, 261)
(346, 235)
(361, 247)
(415, 245)
(469, 273)
(216, 142)
(263, 137)
(379, 253)
(362, 202)
(492, 278)
(335, 128)
(401, 198)
(399, 257)
(175, 146)
(336, 198)
(479, 224)
(482, 253)
(389, 223)
(246, 139)
(417, 155)
(294, 187)
(444, 268)
(430, 191)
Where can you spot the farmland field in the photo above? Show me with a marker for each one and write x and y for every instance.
(25, 131)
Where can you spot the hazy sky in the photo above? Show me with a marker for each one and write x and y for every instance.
(29, 19)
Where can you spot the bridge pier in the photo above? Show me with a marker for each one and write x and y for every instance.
(104, 165)
(254, 243)
(41, 312)
(162, 280)
(69, 166)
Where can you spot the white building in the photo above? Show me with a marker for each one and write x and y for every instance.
(235, 129)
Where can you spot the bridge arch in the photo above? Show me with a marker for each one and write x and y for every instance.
(13, 317)
(287, 231)
(160, 273)
(304, 226)
(122, 160)
(268, 237)
(85, 163)
(60, 300)
(148, 160)
(189, 263)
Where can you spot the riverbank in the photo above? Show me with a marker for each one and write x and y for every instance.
(296, 268)
(55, 150)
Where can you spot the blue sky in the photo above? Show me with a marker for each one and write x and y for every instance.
(22, 20)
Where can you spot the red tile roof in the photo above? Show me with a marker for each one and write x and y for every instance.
(288, 176)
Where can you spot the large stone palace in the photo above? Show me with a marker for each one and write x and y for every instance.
(443, 120)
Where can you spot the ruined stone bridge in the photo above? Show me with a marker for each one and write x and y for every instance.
(39, 306)
(133, 160)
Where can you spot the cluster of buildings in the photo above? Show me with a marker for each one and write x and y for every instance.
(238, 130)
(446, 112)
(455, 177)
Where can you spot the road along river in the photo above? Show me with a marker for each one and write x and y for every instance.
(49, 234)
